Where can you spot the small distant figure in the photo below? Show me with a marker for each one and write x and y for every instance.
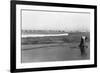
(83, 45)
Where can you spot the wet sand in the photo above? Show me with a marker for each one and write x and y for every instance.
(52, 52)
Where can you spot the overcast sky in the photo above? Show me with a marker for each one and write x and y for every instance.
(43, 20)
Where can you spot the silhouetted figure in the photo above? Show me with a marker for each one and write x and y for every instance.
(83, 45)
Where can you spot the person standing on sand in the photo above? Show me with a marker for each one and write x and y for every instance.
(83, 46)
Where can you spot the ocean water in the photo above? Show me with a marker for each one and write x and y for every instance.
(43, 35)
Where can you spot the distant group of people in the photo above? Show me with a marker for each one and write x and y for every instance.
(83, 46)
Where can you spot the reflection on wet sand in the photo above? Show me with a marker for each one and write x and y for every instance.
(55, 52)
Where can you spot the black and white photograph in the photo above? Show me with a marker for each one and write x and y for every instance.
(55, 36)
(49, 35)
